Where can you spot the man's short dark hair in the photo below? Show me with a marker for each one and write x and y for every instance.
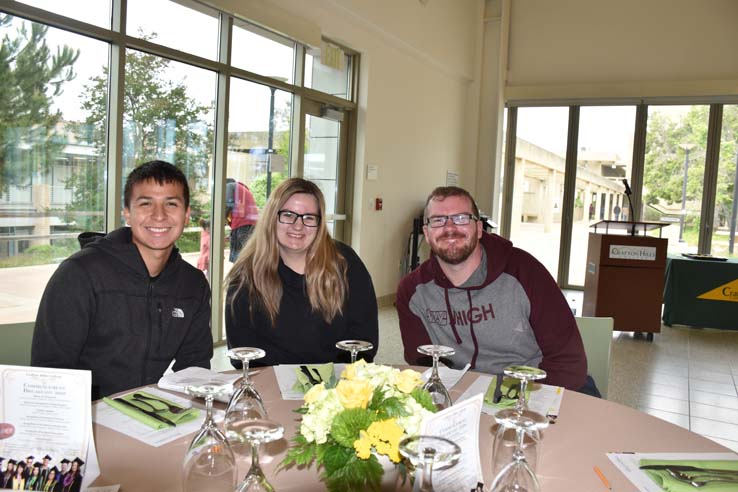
(443, 192)
(159, 171)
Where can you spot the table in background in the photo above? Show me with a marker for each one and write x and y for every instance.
(687, 279)
(586, 429)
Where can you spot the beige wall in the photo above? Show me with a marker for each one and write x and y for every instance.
(418, 109)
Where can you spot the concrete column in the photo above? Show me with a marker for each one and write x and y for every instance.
(548, 201)
(517, 202)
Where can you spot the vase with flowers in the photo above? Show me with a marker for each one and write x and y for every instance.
(348, 425)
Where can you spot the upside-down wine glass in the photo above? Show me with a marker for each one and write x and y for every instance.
(427, 453)
(246, 402)
(354, 346)
(435, 385)
(209, 463)
(517, 475)
(256, 432)
(524, 374)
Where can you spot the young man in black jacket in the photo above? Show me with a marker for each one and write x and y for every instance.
(127, 304)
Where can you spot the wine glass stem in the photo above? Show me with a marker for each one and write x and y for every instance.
(208, 409)
(434, 374)
(353, 356)
(245, 367)
(426, 474)
(255, 468)
(522, 402)
(518, 454)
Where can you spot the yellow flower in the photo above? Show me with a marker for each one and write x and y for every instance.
(385, 435)
(354, 393)
(363, 446)
(349, 372)
(408, 380)
(315, 393)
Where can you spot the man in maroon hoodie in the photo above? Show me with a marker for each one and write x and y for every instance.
(494, 304)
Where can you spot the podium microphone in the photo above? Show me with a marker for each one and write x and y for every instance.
(628, 192)
(627, 188)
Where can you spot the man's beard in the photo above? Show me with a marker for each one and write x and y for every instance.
(453, 255)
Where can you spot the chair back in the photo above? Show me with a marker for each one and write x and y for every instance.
(597, 338)
(15, 349)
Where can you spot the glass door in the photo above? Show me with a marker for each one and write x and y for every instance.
(324, 160)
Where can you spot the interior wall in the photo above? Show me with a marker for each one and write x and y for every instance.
(418, 108)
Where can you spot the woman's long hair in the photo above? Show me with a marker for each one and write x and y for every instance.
(256, 266)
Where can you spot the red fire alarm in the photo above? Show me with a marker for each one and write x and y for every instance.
(378, 204)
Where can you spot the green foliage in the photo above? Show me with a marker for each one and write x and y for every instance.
(189, 242)
(424, 399)
(347, 424)
(392, 407)
(258, 187)
(42, 254)
(32, 76)
(301, 453)
(664, 168)
(344, 472)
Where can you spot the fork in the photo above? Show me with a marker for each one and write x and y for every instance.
(694, 482)
(146, 399)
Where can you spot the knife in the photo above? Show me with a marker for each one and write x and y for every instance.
(147, 412)
(686, 468)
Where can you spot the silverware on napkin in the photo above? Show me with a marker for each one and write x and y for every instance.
(147, 412)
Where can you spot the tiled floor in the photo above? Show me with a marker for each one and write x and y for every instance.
(686, 376)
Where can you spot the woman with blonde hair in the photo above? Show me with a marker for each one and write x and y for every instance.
(294, 291)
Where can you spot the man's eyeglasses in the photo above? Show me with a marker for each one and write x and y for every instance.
(290, 217)
(458, 219)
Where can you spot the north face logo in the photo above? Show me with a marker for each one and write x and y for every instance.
(177, 313)
(438, 317)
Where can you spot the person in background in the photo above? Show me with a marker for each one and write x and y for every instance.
(33, 482)
(294, 291)
(6, 479)
(241, 215)
(493, 303)
(19, 482)
(127, 304)
(204, 259)
(51, 484)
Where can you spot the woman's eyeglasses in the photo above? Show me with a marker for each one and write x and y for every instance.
(290, 217)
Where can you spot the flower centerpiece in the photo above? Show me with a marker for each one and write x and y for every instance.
(347, 425)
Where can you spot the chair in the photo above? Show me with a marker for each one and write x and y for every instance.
(15, 350)
(597, 338)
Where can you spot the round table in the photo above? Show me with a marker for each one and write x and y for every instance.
(587, 428)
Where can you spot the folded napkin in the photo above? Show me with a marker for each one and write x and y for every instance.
(668, 483)
(509, 386)
(153, 404)
(324, 374)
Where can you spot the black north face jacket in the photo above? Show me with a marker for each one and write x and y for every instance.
(101, 311)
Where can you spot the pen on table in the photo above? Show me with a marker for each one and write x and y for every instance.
(604, 479)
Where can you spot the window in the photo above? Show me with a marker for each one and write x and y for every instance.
(535, 225)
(262, 52)
(173, 25)
(673, 172)
(604, 159)
(51, 185)
(58, 148)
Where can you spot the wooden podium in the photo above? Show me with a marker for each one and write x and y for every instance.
(625, 275)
